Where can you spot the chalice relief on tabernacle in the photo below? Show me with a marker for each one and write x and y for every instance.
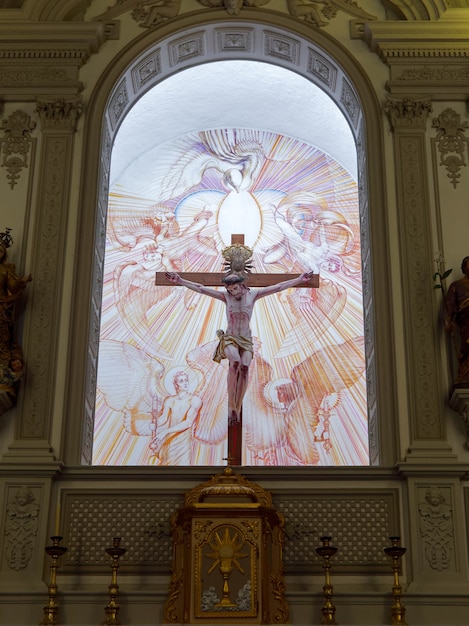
(227, 566)
(297, 209)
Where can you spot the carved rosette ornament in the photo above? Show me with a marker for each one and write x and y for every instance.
(16, 143)
(451, 142)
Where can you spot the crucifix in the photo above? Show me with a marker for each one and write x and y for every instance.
(235, 343)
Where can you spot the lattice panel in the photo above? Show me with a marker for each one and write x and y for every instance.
(360, 526)
(142, 523)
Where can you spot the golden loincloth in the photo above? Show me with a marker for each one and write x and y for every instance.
(231, 340)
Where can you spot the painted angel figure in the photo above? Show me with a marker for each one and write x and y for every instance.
(285, 419)
(238, 157)
(172, 428)
(134, 402)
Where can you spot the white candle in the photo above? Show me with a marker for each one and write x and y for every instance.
(57, 519)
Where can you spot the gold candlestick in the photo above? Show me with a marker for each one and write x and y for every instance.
(395, 551)
(326, 551)
(112, 609)
(51, 611)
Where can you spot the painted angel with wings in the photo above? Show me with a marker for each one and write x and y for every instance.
(236, 155)
(118, 389)
(285, 419)
(172, 428)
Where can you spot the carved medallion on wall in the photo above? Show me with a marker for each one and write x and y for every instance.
(16, 144)
(451, 143)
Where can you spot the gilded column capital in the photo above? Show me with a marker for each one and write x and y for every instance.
(59, 114)
(407, 112)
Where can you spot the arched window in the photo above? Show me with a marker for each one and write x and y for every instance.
(182, 123)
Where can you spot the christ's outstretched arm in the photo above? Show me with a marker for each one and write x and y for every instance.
(286, 284)
(207, 291)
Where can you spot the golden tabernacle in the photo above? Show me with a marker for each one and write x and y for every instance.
(227, 546)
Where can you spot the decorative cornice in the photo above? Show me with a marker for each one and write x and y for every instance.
(423, 57)
(417, 10)
(417, 40)
(85, 38)
(442, 39)
(45, 58)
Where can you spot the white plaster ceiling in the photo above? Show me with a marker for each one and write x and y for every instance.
(240, 94)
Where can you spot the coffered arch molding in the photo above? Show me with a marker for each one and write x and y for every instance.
(181, 44)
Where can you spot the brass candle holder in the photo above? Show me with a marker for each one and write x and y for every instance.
(396, 552)
(51, 611)
(112, 609)
(326, 552)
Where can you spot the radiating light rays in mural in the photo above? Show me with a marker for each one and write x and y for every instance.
(175, 210)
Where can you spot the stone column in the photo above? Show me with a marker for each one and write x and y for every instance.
(408, 118)
(58, 119)
(417, 66)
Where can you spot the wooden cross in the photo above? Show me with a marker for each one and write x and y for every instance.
(214, 279)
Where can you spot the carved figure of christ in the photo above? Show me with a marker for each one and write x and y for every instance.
(236, 342)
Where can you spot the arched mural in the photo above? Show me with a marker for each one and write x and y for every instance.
(173, 207)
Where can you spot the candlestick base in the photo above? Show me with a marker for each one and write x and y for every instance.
(51, 610)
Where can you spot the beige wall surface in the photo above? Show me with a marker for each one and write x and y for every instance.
(64, 65)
